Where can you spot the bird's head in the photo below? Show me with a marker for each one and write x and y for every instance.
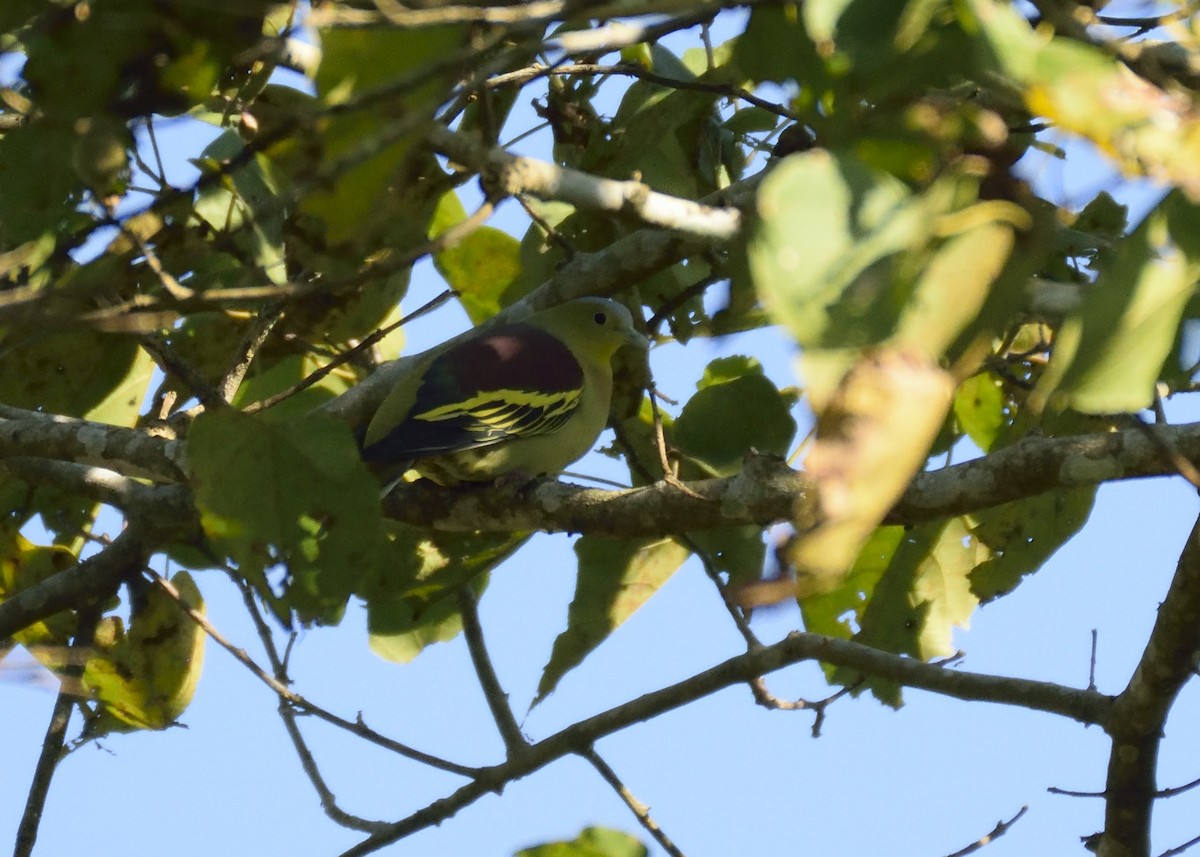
(596, 326)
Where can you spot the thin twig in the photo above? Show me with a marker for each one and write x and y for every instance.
(639, 809)
(1177, 790)
(999, 830)
(697, 288)
(493, 692)
(1055, 790)
(1179, 849)
(288, 715)
(1143, 25)
(1161, 793)
(660, 437)
(345, 356)
(166, 279)
(523, 76)
(162, 173)
(1092, 662)
(358, 726)
(552, 233)
(172, 364)
(247, 350)
(284, 692)
(56, 734)
(1182, 464)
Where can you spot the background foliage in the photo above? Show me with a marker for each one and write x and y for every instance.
(184, 361)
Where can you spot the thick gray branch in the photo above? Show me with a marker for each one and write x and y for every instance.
(1085, 706)
(1140, 711)
(1035, 465)
(134, 452)
(98, 483)
(767, 491)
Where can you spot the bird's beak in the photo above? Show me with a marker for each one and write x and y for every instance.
(636, 340)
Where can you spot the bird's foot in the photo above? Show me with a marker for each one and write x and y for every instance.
(519, 483)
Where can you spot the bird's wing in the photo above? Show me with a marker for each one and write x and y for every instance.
(516, 381)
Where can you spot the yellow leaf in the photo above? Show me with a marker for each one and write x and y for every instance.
(145, 678)
(871, 438)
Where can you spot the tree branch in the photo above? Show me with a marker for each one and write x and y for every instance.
(999, 830)
(287, 713)
(99, 483)
(1086, 706)
(493, 692)
(52, 747)
(135, 452)
(639, 809)
(94, 578)
(512, 175)
(767, 491)
(56, 733)
(1140, 711)
(289, 696)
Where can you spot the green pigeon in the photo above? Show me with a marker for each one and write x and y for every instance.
(527, 397)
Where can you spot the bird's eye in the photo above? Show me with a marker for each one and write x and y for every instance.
(600, 318)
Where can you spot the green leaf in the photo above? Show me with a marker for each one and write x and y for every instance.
(357, 61)
(67, 515)
(289, 494)
(591, 842)
(1087, 90)
(821, 17)
(1103, 216)
(749, 120)
(921, 595)
(16, 13)
(245, 204)
(75, 373)
(481, 266)
(838, 612)
(820, 248)
(872, 436)
(1023, 535)
(616, 577)
(925, 591)
(541, 255)
(400, 630)
(673, 118)
(714, 430)
(145, 678)
(777, 47)
(123, 403)
(24, 564)
(738, 552)
(979, 407)
(1110, 354)
(137, 57)
(413, 603)
(954, 285)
